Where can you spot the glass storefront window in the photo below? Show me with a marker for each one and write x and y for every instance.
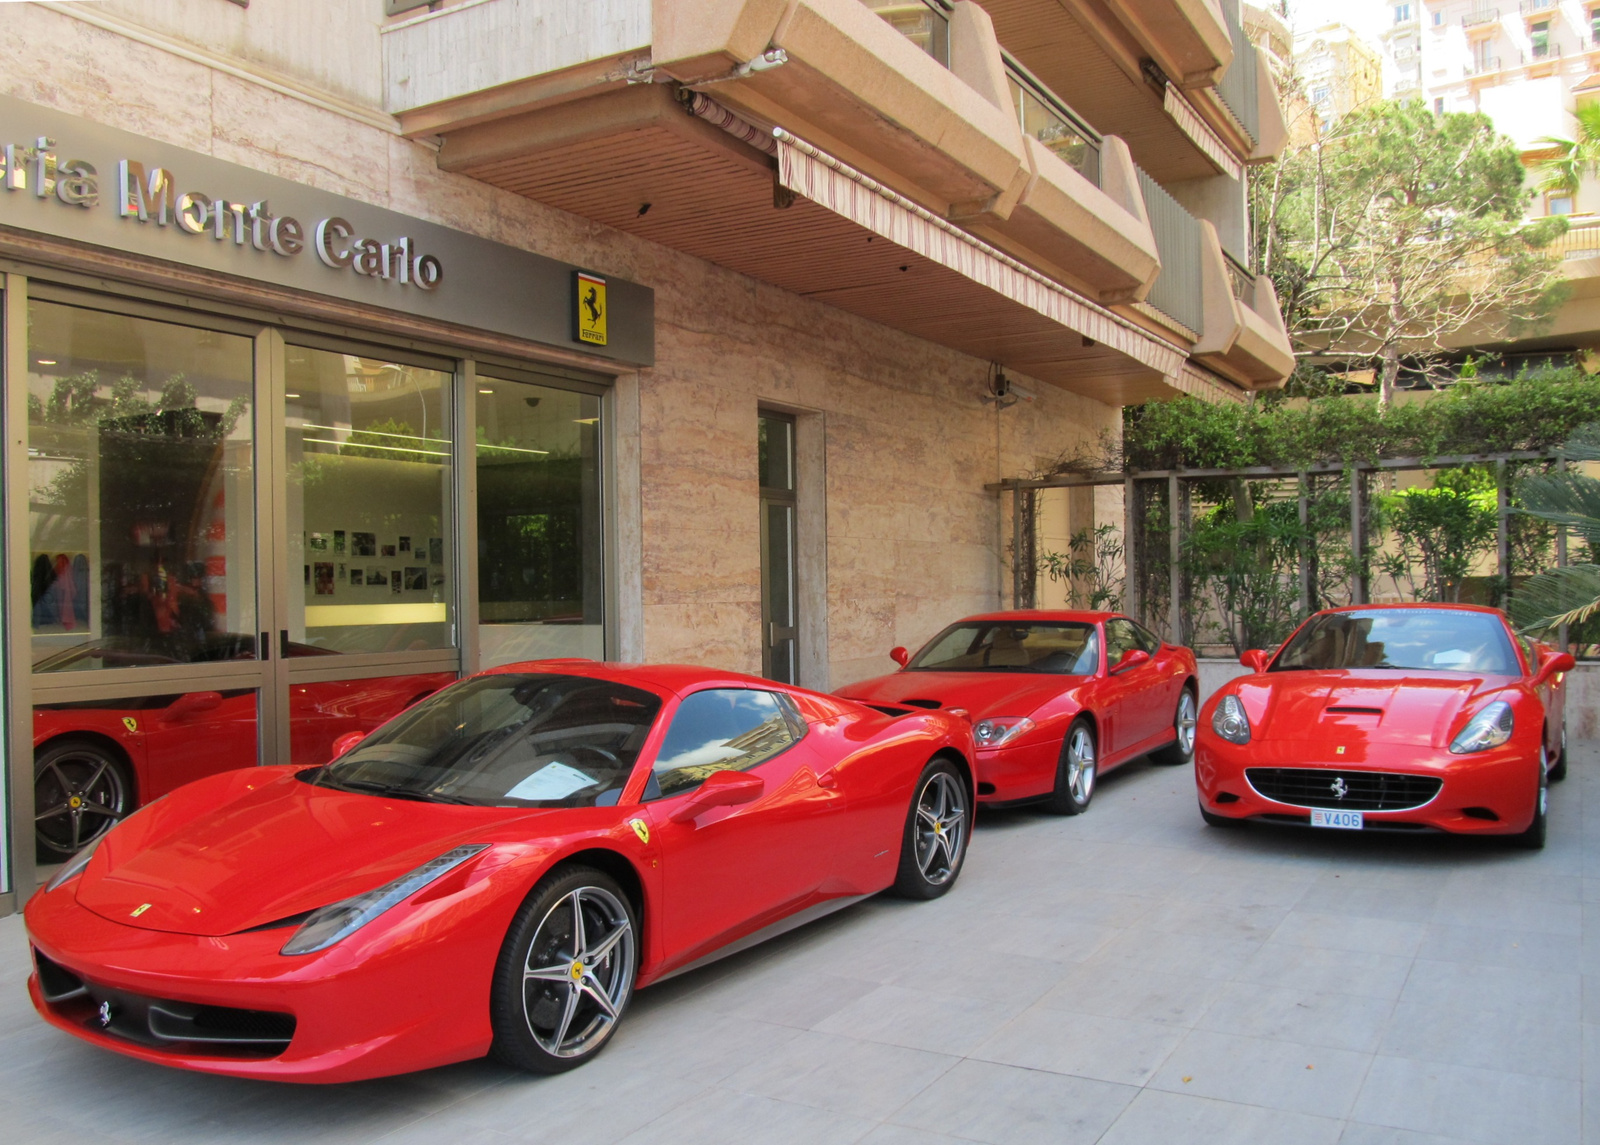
(141, 501)
(541, 580)
(369, 559)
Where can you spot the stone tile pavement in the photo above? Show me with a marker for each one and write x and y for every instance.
(1127, 977)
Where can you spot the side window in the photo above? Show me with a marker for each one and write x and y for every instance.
(723, 729)
(1121, 638)
(1147, 640)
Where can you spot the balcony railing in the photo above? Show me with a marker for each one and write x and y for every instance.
(1487, 65)
(1242, 280)
(1477, 18)
(1238, 86)
(1177, 290)
(1541, 53)
(924, 23)
(1532, 7)
(1581, 241)
(1046, 117)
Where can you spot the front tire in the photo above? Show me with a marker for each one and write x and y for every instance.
(1180, 752)
(81, 789)
(1077, 771)
(1558, 769)
(565, 973)
(937, 828)
(1533, 838)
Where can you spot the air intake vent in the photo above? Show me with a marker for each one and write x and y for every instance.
(1346, 710)
(931, 705)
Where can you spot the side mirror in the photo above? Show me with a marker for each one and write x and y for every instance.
(1255, 660)
(191, 704)
(1132, 658)
(721, 789)
(900, 656)
(1554, 666)
(345, 742)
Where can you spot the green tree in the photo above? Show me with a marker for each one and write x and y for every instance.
(1394, 228)
(1575, 158)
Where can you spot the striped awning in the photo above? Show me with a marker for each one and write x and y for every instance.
(1200, 133)
(810, 172)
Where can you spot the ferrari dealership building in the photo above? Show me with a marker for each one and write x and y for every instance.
(354, 345)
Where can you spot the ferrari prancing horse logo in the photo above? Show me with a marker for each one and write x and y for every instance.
(138, 910)
(641, 829)
(130, 723)
(1340, 787)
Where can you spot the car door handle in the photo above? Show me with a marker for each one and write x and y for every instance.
(828, 780)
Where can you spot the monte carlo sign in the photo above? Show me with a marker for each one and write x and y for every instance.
(77, 180)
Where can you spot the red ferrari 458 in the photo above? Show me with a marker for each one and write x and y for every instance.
(494, 871)
(1403, 717)
(1056, 698)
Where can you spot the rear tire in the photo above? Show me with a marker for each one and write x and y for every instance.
(1558, 770)
(1180, 752)
(81, 789)
(938, 825)
(565, 973)
(1533, 838)
(1077, 771)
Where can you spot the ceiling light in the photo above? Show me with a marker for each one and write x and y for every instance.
(46, 361)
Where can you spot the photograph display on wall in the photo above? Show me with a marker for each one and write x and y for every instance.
(363, 544)
(324, 578)
(417, 579)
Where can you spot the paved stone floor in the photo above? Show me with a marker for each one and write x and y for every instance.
(1129, 976)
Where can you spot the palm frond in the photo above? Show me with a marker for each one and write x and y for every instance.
(1568, 595)
(1584, 444)
(1569, 499)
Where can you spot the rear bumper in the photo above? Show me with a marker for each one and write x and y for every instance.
(372, 1010)
(1502, 782)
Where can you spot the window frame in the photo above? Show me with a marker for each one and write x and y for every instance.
(650, 787)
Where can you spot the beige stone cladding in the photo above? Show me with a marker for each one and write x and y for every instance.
(910, 541)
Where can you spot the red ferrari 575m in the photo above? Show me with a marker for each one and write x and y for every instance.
(1403, 717)
(1056, 698)
(493, 871)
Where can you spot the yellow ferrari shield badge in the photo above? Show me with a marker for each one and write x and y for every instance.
(130, 723)
(138, 910)
(641, 829)
(591, 308)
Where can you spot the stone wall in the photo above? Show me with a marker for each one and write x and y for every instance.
(906, 534)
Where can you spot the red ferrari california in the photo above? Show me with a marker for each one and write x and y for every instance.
(1404, 717)
(1056, 698)
(493, 871)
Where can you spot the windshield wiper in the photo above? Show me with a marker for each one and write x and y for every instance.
(399, 792)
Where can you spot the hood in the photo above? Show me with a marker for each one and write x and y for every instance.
(194, 865)
(1355, 707)
(981, 693)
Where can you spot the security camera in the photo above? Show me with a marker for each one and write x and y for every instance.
(1003, 392)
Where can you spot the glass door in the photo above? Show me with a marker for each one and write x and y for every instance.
(144, 627)
(779, 623)
(368, 619)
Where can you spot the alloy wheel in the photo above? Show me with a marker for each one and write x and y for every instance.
(1187, 721)
(578, 972)
(1080, 765)
(79, 794)
(941, 828)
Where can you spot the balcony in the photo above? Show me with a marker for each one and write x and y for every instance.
(898, 168)
(1244, 338)
(1177, 290)
(1483, 18)
(1484, 66)
(1538, 7)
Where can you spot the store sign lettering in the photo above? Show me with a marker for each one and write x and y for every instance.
(152, 196)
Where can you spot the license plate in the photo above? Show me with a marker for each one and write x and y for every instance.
(1347, 820)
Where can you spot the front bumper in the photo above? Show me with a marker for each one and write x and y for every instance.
(1017, 772)
(357, 1010)
(1487, 793)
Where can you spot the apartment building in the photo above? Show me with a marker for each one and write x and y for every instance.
(642, 329)
(1338, 70)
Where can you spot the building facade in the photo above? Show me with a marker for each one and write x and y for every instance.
(354, 345)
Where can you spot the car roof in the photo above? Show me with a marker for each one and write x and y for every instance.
(1417, 604)
(1083, 616)
(660, 678)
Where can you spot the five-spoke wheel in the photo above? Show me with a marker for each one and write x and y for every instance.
(1076, 773)
(565, 973)
(936, 832)
(80, 790)
(1180, 752)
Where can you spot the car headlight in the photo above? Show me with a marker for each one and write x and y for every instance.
(1230, 722)
(329, 924)
(1489, 728)
(1000, 730)
(73, 867)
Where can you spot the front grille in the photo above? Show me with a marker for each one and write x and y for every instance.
(1343, 790)
(217, 1031)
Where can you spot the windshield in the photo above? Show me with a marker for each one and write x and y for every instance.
(1065, 648)
(511, 740)
(1421, 639)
